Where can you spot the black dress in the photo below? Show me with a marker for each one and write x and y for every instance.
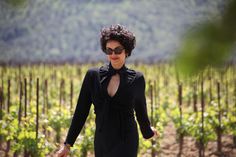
(116, 132)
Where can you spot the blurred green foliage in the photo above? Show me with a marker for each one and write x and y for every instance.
(211, 43)
(17, 3)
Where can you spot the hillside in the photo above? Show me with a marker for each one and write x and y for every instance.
(68, 31)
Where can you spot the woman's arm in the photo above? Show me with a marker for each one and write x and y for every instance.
(82, 110)
(141, 108)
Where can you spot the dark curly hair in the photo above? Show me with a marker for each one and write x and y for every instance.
(118, 33)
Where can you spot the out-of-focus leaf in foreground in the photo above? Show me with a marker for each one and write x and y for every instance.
(209, 44)
(17, 3)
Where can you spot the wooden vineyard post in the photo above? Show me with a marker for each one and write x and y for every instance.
(71, 95)
(219, 129)
(30, 88)
(195, 97)
(25, 89)
(19, 74)
(8, 112)
(234, 136)
(157, 92)
(8, 95)
(3, 71)
(226, 96)
(152, 118)
(188, 82)
(2, 78)
(181, 135)
(46, 94)
(210, 84)
(25, 115)
(45, 97)
(61, 99)
(20, 104)
(166, 81)
(44, 100)
(1, 112)
(62, 94)
(1, 102)
(18, 78)
(45, 106)
(3, 98)
(201, 146)
(37, 108)
(16, 153)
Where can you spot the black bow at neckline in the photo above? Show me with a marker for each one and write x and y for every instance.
(107, 71)
(112, 71)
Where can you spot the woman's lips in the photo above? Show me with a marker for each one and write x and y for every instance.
(114, 58)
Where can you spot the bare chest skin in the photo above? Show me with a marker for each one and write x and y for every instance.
(113, 85)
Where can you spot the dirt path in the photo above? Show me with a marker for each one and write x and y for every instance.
(170, 148)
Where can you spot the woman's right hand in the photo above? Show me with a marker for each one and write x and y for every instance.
(63, 152)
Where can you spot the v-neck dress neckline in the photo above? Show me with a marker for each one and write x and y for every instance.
(111, 72)
(118, 89)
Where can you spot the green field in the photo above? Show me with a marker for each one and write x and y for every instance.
(37, 103)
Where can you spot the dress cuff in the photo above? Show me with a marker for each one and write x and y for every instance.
(148, 133)
(65, 143)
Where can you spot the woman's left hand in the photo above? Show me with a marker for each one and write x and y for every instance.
(156, 133)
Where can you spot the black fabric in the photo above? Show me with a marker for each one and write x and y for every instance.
(116, 129)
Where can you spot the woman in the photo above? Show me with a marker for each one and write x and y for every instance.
(116, 92)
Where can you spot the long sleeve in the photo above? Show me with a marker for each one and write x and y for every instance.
(82, 110)
(141, 108)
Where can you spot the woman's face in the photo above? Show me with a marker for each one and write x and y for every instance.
(117, 60)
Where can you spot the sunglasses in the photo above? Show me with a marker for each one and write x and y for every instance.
(117, 50)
